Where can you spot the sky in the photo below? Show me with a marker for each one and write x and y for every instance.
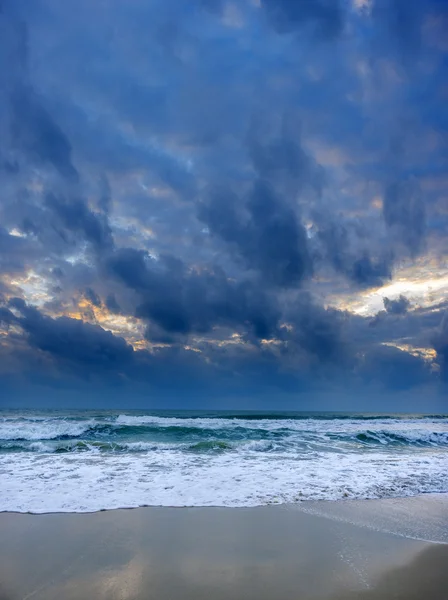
(219, 203)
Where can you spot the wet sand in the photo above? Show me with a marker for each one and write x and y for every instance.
(366, 550)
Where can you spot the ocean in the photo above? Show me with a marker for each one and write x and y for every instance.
(83, 461)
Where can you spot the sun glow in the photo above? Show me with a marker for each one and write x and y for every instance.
(425, 285)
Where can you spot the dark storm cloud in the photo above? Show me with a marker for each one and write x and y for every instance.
(63, 352)
(393, 368)
(317, 331)
(75, 216)
(345, 251)
(31, 130)
(264, 230)
(35, 133)
(280, 158)
(417, 326)
(397, 307)
(68, 339)
(92, 296)
(404, 214)
(182, 301)
(204, 167)
(368, 272)
(394, 308)
(35, 139)
(112, 304)
(262, 226)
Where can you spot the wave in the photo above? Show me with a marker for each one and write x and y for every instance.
(116, 433)
(266, 426)
(75, 446)
(43, 430)
(210, 446)
(288, 445)
(234, 418)
(384, 438)
(285, 416)
(61, 447)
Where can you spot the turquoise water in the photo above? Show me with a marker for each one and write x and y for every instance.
(129, 458)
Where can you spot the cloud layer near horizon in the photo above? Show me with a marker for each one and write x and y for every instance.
(215, 199)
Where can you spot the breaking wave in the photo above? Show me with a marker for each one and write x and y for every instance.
(78, 461)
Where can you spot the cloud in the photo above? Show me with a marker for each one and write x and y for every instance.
(112, 304)
(404, 214)
(210, 189)
(315, 352)
(35, 133)
(265, 232)
(440, 343)
(182, 301)
(318, 332)
(69, 339)
(324, 17)
(32, 130)
(397, 307)
(394, 369)
(14, 252)
(37, 143)
(73, 215)
(345, 250)
(93, 297)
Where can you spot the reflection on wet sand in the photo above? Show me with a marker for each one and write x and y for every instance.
(424, 578)
(269, 553)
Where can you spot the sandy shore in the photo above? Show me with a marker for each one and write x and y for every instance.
(350, 550)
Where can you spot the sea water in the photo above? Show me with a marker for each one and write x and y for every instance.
(85, 461)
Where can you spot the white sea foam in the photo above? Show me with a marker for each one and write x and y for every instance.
(43, 429)
(81, 463)
(89, 482)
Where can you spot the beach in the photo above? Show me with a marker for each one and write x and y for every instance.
(370, 549)
(223, 300)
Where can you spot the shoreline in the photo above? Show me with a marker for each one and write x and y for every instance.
(299, 503)
(388, 512)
